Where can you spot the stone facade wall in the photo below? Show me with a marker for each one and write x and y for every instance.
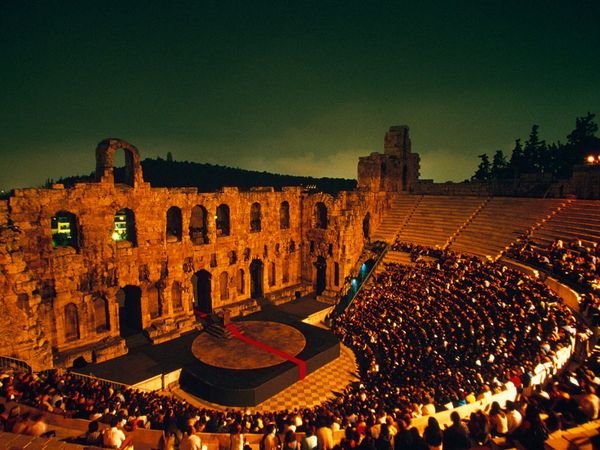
(54, 297)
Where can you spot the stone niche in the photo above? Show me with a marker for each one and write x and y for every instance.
(85, 270)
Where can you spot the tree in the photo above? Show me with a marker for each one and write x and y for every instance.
(483, 170)
(534, 152)
(585, 128)
(169, 157)
(516, 159)
(498, 163)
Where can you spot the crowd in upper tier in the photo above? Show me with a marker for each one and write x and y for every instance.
(438, 334)
(575, 262)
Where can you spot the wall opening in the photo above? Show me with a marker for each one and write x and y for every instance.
(321, 282)
(124, 227)
(256, 278)
(101, 316)
(176, 297)
(224, 285)
(241, 281)
(129, 299)
(154, 303)
(405, 177)
(222, 219)
(64, 230)
(272, 274)
(321, 216)
(199, 225)
(382, 177)
(255, 217)
(284, 216)
(201, 282)
(71, 322)
(174, 224)
(123, 167)
(336, 274)
(285, 276)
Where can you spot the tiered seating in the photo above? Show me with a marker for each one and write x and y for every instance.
(437, 218)
(500, 222)
(397, 215)
(580, 219)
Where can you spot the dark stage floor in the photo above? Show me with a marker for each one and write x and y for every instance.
(227, 386)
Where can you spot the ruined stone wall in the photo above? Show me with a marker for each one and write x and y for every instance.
(43, 288)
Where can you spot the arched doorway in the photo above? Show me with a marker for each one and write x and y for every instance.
(321, 266)
(256, 278)
(129, 299)
(201, 282)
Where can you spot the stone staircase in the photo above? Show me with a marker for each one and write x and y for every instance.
(401, 208)
(577, 219)
(219, 331)
(500, 222)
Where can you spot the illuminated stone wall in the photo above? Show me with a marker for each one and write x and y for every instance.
(66, 302)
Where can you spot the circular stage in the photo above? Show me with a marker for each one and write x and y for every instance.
(236, 354)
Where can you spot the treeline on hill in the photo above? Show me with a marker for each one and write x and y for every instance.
(210, 178)
(537, 157)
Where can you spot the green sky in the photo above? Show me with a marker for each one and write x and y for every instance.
(293, 87)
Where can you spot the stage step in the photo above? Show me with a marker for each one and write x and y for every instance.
(219, 331)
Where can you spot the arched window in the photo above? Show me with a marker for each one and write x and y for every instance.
(284, 215)
(174, 226)
(321, 215)
(286, 271)
(124, 228)
(154, 302)
(224, 285)
(101, 315)
(64, 230)
(199, 225)
(176, 299)
(71, 322)
(272, 274)
(241, 280)
(123, 166)
(222, 220)
(255, 217)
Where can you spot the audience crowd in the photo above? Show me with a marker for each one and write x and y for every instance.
(574, 262)
(446, 331)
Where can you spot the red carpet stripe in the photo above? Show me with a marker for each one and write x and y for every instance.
(236, 333)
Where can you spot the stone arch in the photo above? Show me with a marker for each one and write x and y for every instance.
(174, 224)
(224, 285)
(201, 282)
(105, 152)
(272, 274)
(321, 216)
(124, 226)
(199, 225)
(129, 299)
(284, 215)
(366, 226)
(241, 281)
(153, 301)
(101, 316)
(65, 230)
(71, 322)
(222, 220)
(255, 217)
(176, 296)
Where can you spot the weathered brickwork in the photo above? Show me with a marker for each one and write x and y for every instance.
(83, 299)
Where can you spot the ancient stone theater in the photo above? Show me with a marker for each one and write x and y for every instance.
(83, 268)
(87, 270)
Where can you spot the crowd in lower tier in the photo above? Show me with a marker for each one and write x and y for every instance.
(428, 337)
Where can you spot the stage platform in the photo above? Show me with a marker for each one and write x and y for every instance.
(232, 372)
